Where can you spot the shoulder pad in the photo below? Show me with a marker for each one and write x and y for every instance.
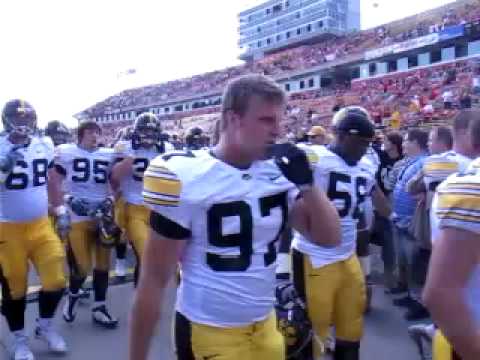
(178, 156)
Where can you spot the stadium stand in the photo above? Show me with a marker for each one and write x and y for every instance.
(416, 95)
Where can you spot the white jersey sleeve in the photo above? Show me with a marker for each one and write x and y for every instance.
(437, 168)
(162, 192)
(458, 203)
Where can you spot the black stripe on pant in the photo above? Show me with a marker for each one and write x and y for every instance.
(183, 337)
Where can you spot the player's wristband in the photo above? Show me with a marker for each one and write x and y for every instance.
(60, 210)
(283, 263)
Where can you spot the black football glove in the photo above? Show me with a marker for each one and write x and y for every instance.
(79, 206)
(294, 164)
(104, 209)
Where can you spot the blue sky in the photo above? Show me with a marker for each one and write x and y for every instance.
(65, 55)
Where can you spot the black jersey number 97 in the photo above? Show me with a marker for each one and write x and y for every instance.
(244, 238)
(83, 169)
(20, 181)
(348, 203)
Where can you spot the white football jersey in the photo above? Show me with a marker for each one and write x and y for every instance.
(23, 192)
(347, 187)
(372, 156)
(457, 204)
(86, 173)
(368, 162)
(233, 219)
(132, 185)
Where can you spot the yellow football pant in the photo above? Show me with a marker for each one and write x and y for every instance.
(335, 295)
(258, 341)
(82, 246)
(137, 221)
(120, 218)
(442, 350)
(33, 241)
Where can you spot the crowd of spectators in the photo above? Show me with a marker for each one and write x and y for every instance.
(419, 97)
(295, 59)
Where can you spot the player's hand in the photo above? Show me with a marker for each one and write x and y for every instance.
(7, 163)
(63, 225)
(79, 206)
(294, 164)
(285, 292)
(105, 208)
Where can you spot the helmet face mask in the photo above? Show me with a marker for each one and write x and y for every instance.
(147, 136)
(60, 138)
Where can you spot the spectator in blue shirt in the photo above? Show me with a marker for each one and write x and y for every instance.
(415, 147)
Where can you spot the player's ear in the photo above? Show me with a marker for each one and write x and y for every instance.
(230, 119)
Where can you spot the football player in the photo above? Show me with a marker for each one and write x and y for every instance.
(330, 279)
(124, 134)
(436, 169)
(25, 231)
(133, 157)
(365, 222)
(58, 132)
(220, 213)
(84, 167)
(454, 271)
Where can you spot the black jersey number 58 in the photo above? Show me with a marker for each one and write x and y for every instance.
(348, 203)
(244, 238)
